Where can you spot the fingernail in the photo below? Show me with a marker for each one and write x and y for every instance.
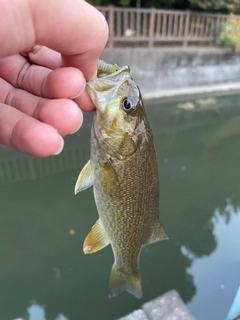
(76, 129)
(80, 124)
(94, 76)
(83, 88)
(61, 146)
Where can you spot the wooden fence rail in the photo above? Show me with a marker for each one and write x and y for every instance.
(152, 26)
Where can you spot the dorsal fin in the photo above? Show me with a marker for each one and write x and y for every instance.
(85, 178)
(96, 240)
(158, 234)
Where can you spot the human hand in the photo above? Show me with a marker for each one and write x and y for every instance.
(47, 50)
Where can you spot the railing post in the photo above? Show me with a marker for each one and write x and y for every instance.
(216, 31)
(111, 26)
(186, 29)
(151, 28)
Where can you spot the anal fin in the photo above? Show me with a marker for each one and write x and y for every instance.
(96, 240)
(85, 178)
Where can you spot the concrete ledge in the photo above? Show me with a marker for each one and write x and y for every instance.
(136, 315)
(163, 71)
(169, 306)
(214, 89)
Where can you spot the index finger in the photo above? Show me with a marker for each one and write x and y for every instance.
(74, 28)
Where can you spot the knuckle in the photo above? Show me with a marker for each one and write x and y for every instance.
(10, 97)
(23, 75)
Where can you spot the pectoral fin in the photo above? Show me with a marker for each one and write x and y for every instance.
(85, 178)
(96, 240)
(158, 234)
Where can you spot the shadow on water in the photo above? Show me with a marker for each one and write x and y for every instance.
(43, 273)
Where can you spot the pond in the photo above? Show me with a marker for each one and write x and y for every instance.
(44, 274)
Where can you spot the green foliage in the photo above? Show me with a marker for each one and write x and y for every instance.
(230, 33)
(209, 4)
(124, 3)
(96, 2)
(217, 5)
(164, 4)
(116, 3)
(233, 6)
(227, 6)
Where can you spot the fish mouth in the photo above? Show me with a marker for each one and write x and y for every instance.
(105, 68)
(104, 87)
(115, 73)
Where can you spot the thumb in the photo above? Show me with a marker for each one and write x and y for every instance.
(74, 28)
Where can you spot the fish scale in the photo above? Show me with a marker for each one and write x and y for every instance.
(123, 171)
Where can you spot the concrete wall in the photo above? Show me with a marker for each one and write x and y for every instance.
(175, 68)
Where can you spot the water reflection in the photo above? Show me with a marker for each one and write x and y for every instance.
(43, 225)
(217, 277)
(37, 312)
(21, 167)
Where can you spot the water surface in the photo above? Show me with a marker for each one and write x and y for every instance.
(44, 274)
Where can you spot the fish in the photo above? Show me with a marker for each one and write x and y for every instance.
(124, 173)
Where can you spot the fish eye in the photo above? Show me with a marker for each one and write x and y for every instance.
(128, 104)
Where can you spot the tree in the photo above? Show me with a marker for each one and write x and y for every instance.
(226, 6)
(217, 5)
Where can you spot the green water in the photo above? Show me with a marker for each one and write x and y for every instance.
(44, 274)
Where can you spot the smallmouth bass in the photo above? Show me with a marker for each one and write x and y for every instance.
(123, 171)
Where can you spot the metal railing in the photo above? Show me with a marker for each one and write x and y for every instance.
(20, 167)
(152, 26)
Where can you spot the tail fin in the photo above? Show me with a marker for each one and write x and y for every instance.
(120, 281)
